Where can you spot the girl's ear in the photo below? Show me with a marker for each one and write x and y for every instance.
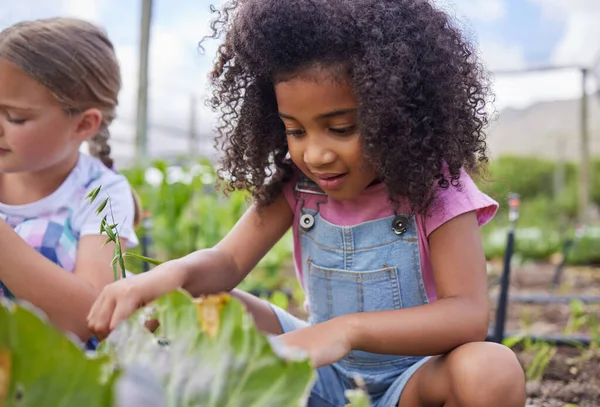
(88, 124)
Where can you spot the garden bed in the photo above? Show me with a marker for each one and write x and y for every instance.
(564, 375)
(572, 377)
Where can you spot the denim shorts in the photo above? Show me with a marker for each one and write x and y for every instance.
(333, 380)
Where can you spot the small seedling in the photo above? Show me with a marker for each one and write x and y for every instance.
(112, 232)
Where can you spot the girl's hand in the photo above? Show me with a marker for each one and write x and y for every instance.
(119, 300)
(325, 343)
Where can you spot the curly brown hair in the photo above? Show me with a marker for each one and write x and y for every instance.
(420, 89)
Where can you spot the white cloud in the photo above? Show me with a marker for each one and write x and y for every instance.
(523, 90)
(498, 55)
(580, 43)
(481, 10)
(90, 10)
(13, 11)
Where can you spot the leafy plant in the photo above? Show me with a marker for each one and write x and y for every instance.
(186, 212)
(207, 352)
(41, 366)
(580, 318)
(112, 232)
(543, 353)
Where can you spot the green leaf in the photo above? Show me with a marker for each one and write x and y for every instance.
(209, 353)
(120, 257)
(143, 258)
(93, 194)
(111, 234)
(41, 366)
(102, 206)
(357, 398)
(280, 299)
(114, 267)
(512, 341)
(103, 223)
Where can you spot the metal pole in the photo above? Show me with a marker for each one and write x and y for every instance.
(193, 135)
(513, 215)
(559, 171)
(584, 170)
(142, 102)
(146, 238)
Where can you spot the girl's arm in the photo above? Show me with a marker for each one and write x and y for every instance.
(65, 297)
(229, 262)
(461, 313)
(205, 271)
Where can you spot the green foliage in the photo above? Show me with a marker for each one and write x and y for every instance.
(530, 177)
(531, 243)
(547, 218)
(540, 354)
(358, 398)
(543, 353)
(187, 211)
(580, 318)
(111, 231)
(220, 357)
(41, 366)
(586, 250)
(206, 352)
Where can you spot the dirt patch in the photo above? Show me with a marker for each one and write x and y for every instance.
(559, 375)
(571, 377)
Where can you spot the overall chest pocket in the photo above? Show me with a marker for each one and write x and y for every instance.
(334, 292)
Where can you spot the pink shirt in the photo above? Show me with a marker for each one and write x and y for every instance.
(373, 204)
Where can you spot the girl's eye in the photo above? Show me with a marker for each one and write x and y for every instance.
(294, 133)
(16, 120)
(344, 131)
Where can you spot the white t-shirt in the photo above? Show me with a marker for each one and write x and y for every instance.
(54, 224)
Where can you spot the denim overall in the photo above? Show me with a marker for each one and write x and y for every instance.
(372, 266)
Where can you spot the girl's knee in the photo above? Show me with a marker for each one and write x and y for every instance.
(484, 373)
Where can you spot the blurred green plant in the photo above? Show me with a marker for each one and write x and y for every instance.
(547, 217)
(205, 352)
(188, 213)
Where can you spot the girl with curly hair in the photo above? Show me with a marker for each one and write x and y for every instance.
(357, 123)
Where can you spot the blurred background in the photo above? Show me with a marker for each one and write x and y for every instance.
(544, 56)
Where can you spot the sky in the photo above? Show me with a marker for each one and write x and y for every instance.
(510, 34)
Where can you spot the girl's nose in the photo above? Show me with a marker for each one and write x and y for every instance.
(317, 154)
